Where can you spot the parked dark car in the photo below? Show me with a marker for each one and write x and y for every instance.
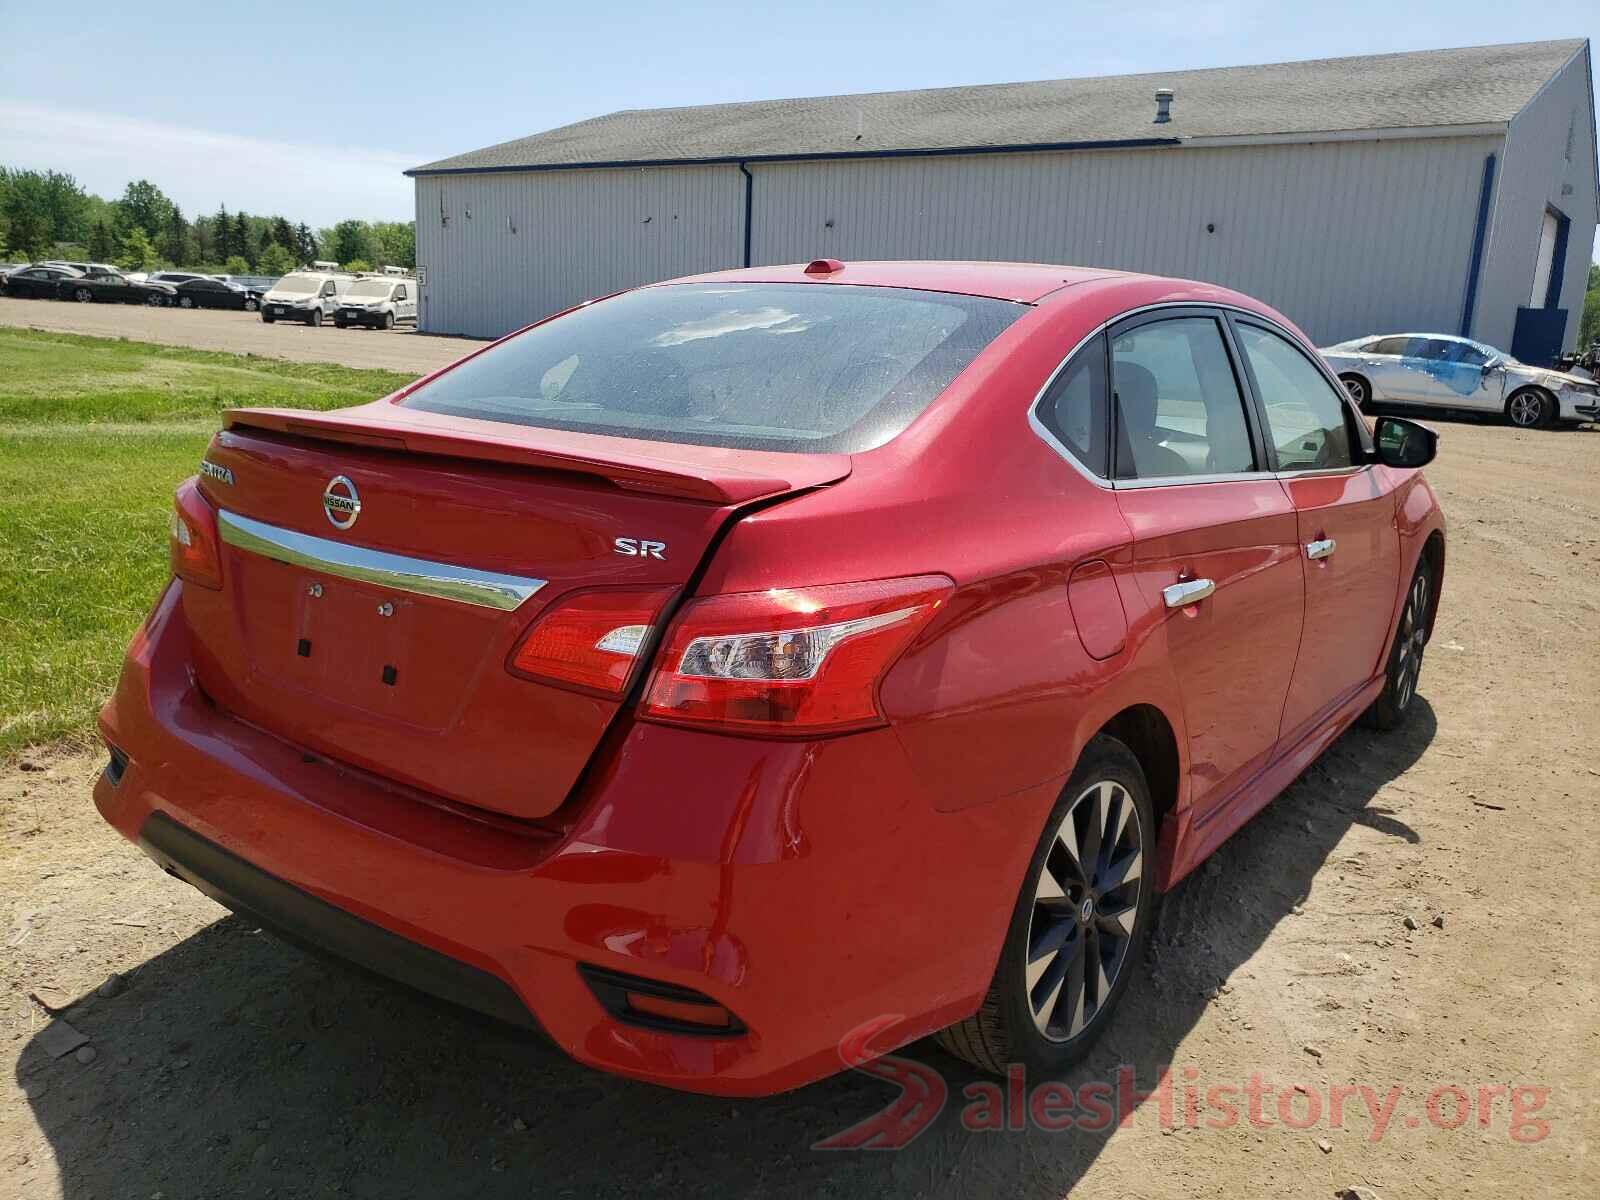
(37, 282)
(113, 288)
(83, 268)
(213, 293)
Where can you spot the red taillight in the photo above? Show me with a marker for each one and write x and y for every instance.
(799, 661)
(196, 554)
(591, 640)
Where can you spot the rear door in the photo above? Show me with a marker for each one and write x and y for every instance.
(1216, 549)
(1349, 544)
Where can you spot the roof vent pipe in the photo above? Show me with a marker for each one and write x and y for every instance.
(1163, 106)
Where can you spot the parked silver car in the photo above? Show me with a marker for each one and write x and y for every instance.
(1440, 371)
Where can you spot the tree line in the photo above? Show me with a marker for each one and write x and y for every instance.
(47, 214)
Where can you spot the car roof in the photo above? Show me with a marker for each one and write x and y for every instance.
(1025, 282)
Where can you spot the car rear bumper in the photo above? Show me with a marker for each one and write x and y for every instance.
(807, 888)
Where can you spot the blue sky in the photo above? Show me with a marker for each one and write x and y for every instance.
(315, 109)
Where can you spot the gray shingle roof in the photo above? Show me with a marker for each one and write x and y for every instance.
(1469, 86)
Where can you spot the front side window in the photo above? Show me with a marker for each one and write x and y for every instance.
(1307, 418)
(1074, 409)
(1179, 409)
(805, 367)
(1466, 353)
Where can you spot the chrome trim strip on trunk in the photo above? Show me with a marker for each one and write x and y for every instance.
(486, 589)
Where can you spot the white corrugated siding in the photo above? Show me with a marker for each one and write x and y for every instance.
(1345, 238)
(539, 242)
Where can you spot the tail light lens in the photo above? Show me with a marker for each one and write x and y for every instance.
(799, 661)
(195, 550)
(592, 640)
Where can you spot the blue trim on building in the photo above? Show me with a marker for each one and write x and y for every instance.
(1480, 234)
(749, 207)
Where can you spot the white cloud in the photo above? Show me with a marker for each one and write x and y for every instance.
(200, 169)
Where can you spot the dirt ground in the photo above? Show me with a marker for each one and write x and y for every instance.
(398, 349)
(223, 1063)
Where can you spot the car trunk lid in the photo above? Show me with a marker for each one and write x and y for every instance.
(375, 626)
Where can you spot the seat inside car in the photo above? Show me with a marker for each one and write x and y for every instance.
(1136, 396)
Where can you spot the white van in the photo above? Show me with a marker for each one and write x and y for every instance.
(378, 301)
(309, 296)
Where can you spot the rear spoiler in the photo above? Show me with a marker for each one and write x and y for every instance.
(708, 473)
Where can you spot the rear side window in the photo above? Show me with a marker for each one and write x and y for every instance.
(1306, 417)
(1179, 409)
(1073, 408)
(807, 367)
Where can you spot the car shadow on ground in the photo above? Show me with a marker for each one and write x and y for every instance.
(234, 1065)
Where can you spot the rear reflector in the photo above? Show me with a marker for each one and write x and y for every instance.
(193, 545)
(664, 1007)
(712, 1016)
(591, 640)
(800, 661)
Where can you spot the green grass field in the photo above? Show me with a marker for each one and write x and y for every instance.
(94, 436)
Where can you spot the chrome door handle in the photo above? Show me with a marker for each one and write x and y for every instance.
(1187, 592)
(1320, 548)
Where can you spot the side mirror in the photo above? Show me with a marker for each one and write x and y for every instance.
(1403, 443)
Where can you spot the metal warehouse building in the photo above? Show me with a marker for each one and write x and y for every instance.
(1448, 190)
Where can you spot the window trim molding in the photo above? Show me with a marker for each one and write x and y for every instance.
(1257, 424)
(1341, 397)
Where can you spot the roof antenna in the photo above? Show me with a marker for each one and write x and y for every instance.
(1163, 106)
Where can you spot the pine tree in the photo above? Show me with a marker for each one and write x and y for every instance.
(221, 234)
(175, 240)
(305, 244)
(102, 243)
(282, 234)
(241, 238)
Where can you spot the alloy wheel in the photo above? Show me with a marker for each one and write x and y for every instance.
(1527, 409)
(1413, 637)
(83, 295)
(1357, 390)
(1085, 904)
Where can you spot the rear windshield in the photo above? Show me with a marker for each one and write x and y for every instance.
(808, 367)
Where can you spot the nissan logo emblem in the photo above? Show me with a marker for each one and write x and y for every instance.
(341, 502)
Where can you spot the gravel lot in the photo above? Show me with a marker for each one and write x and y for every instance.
(242, 333)
(1418, 911)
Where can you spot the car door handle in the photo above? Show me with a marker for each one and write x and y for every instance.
(1321, 548)
(1186, 592)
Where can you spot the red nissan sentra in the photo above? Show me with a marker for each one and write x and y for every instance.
(710, 671)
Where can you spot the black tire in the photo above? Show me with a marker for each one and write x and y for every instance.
(1360, 390)
(82, 295)
(1005, 1029)
(1404, 668)
(185, 301)
(153, 300)
(315, 318)
(1530, 408)
(339, 322)
(266, 320)
(388, 321)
